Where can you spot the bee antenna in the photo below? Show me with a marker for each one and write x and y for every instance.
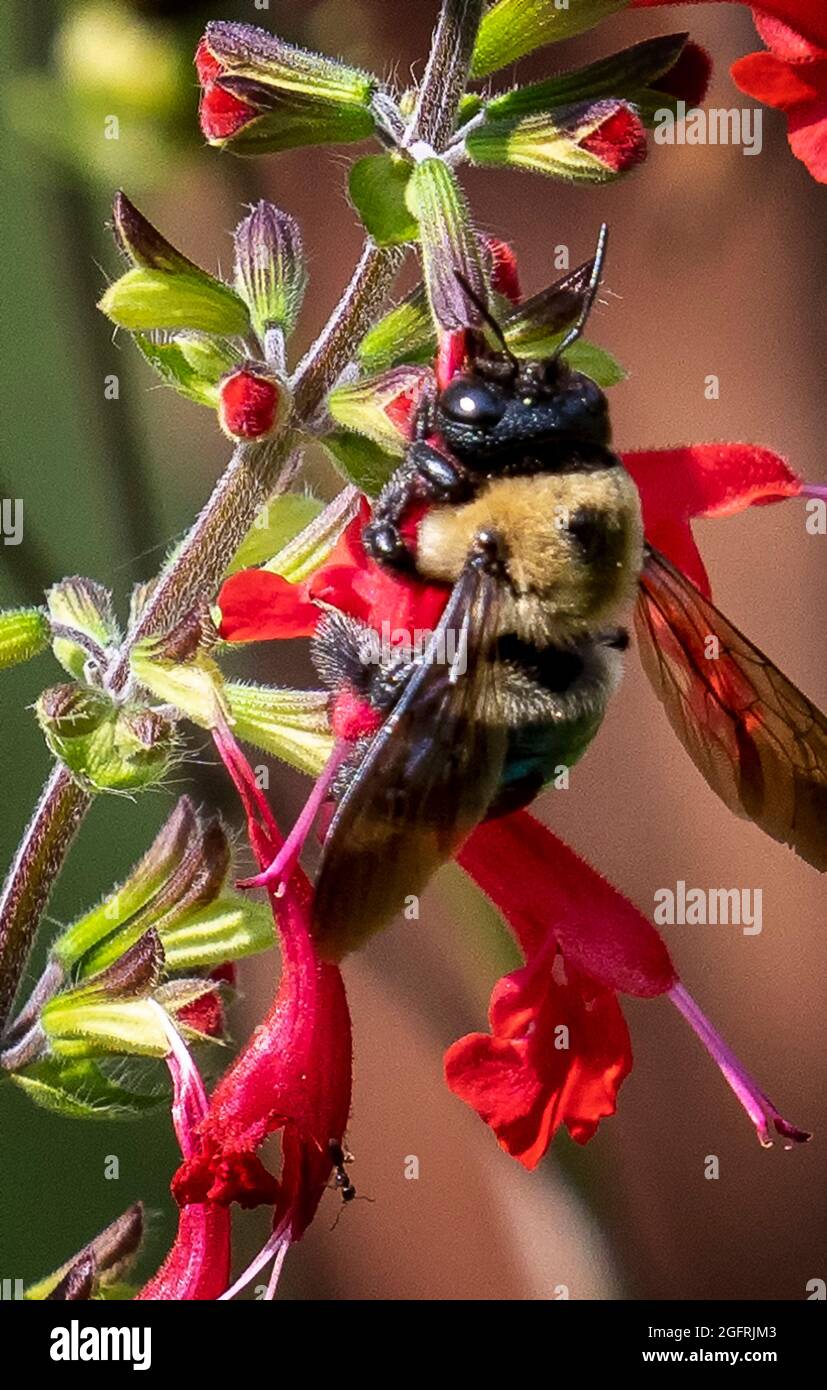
(488, 318)
(590, 294)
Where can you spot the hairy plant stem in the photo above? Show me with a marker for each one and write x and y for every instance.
(194, 572)
(446, 75)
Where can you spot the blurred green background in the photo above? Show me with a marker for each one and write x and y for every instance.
(716, 266)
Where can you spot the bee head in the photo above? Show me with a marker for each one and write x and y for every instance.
(496, 413)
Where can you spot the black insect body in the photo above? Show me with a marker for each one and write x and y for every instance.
(536, 526)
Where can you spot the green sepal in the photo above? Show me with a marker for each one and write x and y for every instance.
(292, 725)
(24, 633)
(246, 50)
(553, 143)
(363, 405)
(87, 1028)
(623, 74)
(105, 749)
(279, 521)
(144, 300)
(231, 927)
(405, 334)
(512, 28)
(303, 555)
(270, 268)
(193, 686)
(84, 610)
(79, 1090)
(286, 121)
(448, 244)
(360, 461)
(377, 185)
(152, 871)
(193, 367)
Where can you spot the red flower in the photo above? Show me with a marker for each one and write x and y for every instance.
(792, 76)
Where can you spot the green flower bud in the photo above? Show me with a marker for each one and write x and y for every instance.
(591, 142)
(382, 407)
(270, 269)
(24, 632)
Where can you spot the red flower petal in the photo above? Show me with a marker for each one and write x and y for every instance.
(505, 274)
(257, 605)
(703, 480)
(779, 83)
(222, 114)
(689, 77)
(557, 1055)
(543, 889)
(807, 17)
(807, 134)
(620, 141)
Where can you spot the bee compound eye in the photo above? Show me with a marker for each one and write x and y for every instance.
(470, 402)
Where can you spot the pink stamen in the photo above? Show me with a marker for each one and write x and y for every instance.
(814, 490)
(189, 1098)
(276, 1246)
(280, 869)
(758, 1106)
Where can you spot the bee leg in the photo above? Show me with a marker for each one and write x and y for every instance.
(426, 474)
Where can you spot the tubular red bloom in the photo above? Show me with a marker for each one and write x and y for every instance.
(792, 76)
(198, 1265)
(293, 1076)
(221, 114)
(558, 1049)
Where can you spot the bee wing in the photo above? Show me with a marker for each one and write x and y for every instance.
(760, 743)
(426, 780)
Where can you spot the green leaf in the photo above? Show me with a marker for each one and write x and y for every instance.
(623, 74)
(145, 299)
(79, 1090)
(278, 522)
(377, 185)
(24, 632)
(231, 927)
(290, 724)
(405, 334)
(512, 28)
(360, 461)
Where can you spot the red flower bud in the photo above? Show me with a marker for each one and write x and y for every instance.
(251, 404)
(619, 142)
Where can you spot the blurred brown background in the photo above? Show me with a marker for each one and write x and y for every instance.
(716, 266)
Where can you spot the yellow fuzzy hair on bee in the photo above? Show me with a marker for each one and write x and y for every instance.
(573, 544)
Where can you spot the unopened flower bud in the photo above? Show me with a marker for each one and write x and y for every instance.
(252, 403)
(270, 271)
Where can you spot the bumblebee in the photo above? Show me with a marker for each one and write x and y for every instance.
(536, 526)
